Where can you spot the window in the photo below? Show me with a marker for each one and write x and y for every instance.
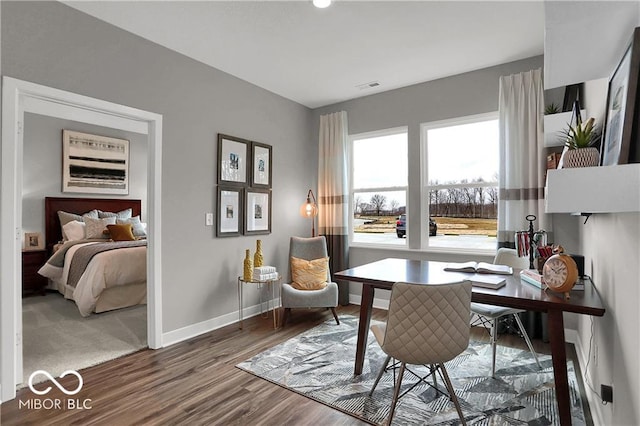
(461, 189)
(379, 179)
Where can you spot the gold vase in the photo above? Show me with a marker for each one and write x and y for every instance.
(248, 266)
(258, 259)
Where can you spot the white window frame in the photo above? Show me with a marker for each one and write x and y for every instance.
(352, 190)
(424, 175)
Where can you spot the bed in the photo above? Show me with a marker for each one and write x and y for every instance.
(112, 276)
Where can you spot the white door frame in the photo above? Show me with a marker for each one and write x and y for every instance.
(19, 97)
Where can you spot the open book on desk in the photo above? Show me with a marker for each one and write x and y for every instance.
(479, 268)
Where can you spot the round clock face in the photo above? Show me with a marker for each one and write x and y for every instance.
(560, 272)
(555, 272)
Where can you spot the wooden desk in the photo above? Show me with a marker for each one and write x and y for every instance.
(384, 273)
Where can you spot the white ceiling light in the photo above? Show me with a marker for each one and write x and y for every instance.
(321, 4)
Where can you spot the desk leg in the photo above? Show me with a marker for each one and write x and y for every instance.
(559, 356)
(366, 305)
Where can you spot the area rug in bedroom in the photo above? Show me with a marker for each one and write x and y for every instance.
(57, 338)
(319, 365)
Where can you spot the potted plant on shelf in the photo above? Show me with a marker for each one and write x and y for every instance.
(580, 142)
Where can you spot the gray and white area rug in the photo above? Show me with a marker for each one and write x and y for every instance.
(319, 365)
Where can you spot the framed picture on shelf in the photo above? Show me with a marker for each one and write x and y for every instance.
(261, 170)
(621, 113)
(229, 218)
(94, 164)
(257, 211)
(233, 160)
(33, 241)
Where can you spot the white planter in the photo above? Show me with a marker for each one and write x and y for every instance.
(581, 157)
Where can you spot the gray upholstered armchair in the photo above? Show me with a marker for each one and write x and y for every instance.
(308, 249)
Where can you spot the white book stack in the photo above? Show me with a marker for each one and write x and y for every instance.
(265, 273)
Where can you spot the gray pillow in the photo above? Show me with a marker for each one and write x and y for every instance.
(66, 217)
(94, 228)
(138, 229)
(124, 214)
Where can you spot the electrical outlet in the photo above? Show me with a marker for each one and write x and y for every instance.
(208, 219)
(607, 393)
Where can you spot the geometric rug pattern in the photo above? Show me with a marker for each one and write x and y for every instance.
(319, 365)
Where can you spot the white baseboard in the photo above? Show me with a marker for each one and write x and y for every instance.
(185, 333)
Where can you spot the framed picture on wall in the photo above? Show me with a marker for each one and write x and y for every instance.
(620, 141)
(233, 160)
(257, 211)
(93, 164)
(229, 219)
(261, 170)
(33, 241)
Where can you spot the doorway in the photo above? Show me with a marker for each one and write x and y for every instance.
(20, 97)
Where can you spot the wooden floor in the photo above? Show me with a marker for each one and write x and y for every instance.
(195, 383)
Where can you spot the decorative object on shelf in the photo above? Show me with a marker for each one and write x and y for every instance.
(233, 160)
(258, 259)
(33, 241)
(230, 207)
(581, 139)
(248, 266)
(551, 109)
(261, 170)
(94, 164)
(620, 143)
(257, 211)
(310, 210)
(560, 272)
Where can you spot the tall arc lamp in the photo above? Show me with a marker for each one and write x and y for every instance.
(310, 210)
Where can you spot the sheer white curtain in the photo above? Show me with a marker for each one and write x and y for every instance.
(522, 169)
(333, 194)
(522, 156)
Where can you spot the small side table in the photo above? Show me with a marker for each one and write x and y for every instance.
(32, 282)
(270, 284)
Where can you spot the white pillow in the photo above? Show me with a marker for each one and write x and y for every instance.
(73, 231)
(138, 228)
(94, 228)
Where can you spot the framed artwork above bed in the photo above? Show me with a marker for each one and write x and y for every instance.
(94, 164)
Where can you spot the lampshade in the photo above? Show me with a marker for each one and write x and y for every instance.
(310, 210)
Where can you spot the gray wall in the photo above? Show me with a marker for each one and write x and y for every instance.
(42, 165)
(609, 242)
(471, 93)
(51, 44)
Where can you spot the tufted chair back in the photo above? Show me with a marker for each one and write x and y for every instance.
(428, 324)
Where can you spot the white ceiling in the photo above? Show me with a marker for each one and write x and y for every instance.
(317, 57)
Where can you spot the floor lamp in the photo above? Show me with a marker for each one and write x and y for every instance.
(310, 209)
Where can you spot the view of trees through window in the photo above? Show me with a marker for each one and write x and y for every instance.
(460, 189)
(462, 184)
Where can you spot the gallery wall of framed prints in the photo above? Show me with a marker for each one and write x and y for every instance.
(245, 173)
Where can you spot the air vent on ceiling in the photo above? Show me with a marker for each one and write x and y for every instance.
(369, 85)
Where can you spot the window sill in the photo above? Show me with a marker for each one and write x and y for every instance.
(436, 250)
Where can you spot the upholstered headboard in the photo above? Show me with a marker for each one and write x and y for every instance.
(53, 231)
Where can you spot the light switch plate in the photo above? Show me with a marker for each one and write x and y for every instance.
(208, 219)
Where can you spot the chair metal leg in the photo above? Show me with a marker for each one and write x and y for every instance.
(285, 315)
(452, 393)
(396, 393)
(494, 339)
(384, 367)
(526, 338)
(335, 315)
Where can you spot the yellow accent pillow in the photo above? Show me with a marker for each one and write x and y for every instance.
(121, 232)
(309, 274)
